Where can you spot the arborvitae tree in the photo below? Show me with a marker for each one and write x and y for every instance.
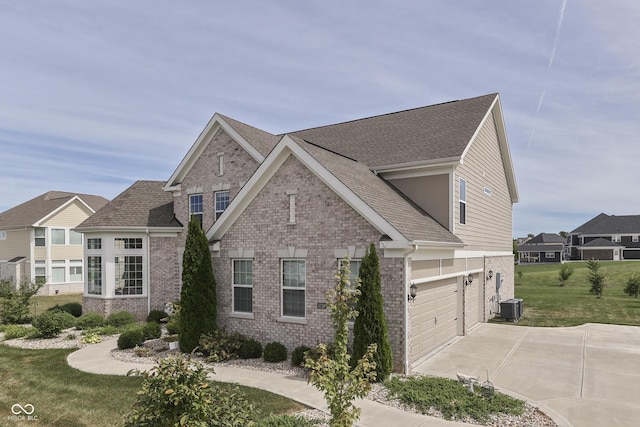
(633, 286)
(370, 326)
(565, 272)
(198, 305)
(597, 277)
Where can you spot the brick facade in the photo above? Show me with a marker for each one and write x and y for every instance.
(324, 223)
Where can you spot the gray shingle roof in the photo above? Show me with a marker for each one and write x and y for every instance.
(592, 222)
(543, 238)
(261, 140)
(424, 134)
(412, 222)
(600, 242)
(144, 204)
(28, 213)
(540, 248)
(613, 224)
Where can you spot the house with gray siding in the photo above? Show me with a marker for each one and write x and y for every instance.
(431, 187)
(543, 248)
(606, 237)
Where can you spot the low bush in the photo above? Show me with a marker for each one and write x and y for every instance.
(73, 308)
(91, 338)
(275, 352)
(172, 326)
(151, 331)
(50, 323)
(288, 421)
(297, 356)
(105, 330)
(12, 332)
(156, 316)
(130, 338)
(89, 321)
(250, 349)
(220, 346)
(120, 318)
(177, 392)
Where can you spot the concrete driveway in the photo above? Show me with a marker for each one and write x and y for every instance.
(582, 376)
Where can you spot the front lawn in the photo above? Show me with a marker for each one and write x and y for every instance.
(65, 397)
(547, 303)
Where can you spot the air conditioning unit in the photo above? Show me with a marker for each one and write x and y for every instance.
(512, 309)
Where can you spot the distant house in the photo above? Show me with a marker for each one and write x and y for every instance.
(606, 237)
(545, 247)
(431, 187)
(37, 240)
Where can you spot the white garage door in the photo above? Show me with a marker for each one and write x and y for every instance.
(472, 304)
(434, 316)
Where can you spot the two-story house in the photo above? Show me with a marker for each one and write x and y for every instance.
(37, 241)
(606, 237)
(432, 187)
(543, 248)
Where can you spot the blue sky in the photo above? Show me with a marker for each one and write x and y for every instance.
(95, 95)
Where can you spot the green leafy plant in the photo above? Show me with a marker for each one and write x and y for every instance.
(334, 376)
(172, 326)
(565, 273)
(288, 421)
(370, 326)
(73, 308)
(250, 349)
(89, 321)
(597, 277)
(219, 346)
(14, 301)
(151, 331)
(50, 323)
(632, 288)
(176, 393)
(12, 332)
(275, 352)
(298, 354)
(156, 316)
(142, 351)
(198, 304)
(91, 338)
(130, 338)
(120, 318)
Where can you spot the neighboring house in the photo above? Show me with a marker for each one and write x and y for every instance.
(38, 243)
(606, 237)
(432, 187)
(545, 247)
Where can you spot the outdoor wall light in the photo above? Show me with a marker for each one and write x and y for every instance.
(413, 292)
(490, 274)
(469, 279)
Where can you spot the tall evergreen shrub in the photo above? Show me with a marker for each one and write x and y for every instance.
(370, 327)
(198, 305)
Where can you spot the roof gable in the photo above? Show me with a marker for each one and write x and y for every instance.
(592, 222)
(366, 193)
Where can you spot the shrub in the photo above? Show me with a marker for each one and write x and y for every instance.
(172, 326)
(106, 330)
(120, 318)
(250, 349)
(12, 332)
(288, 421)
(91, 338)
(50, 323)
(14, 303)
(151, 331)
(156, 316)
(298, 354)
(597, 278)
(275, 352)
(565, 272)
(73, 308)
(89, 321)
(130, 338)
(176, 392)
(219, 346)
(632, 287)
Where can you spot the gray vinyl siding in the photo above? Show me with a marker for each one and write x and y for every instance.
(489, 217)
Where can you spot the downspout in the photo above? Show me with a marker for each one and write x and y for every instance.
(407, 280)
(148, 272)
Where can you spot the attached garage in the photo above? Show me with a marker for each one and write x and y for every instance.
(434, 315)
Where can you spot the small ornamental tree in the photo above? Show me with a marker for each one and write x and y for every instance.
(565, 272)
(597, 277)
(198, 305)
(333, 375)
(14, 301)
(633, 286)
(370, 326)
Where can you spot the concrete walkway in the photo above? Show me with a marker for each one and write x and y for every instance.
(582, 376)
(96, 359)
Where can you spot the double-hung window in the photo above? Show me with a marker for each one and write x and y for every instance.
(242, 285)
(58, 236)
(294, 273)
(195, 207)
(40, 271)
(40, 236)
(75, 238)
(222, 201)
(58, 268)
(463, 201)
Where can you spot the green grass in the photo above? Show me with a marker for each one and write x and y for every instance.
(63, 396)
(39, 303)
(547, 303)
(451, 398)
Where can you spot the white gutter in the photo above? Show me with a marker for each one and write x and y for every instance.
(148, 272)
(407, 284)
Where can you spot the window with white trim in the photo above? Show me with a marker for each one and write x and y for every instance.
(127, 243)
(222, 201)
(58, 271)
(75, 238)
(3, 235)
(40, 236)
(616, 238)
(294, 273)
(75, 270)
(634, 238)
(242, 273)
(128, 275)
(58, 236)
(463, 201)
(40, 272)
(549, 254)
(94, 275)
(195, 207)
(94, 243)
